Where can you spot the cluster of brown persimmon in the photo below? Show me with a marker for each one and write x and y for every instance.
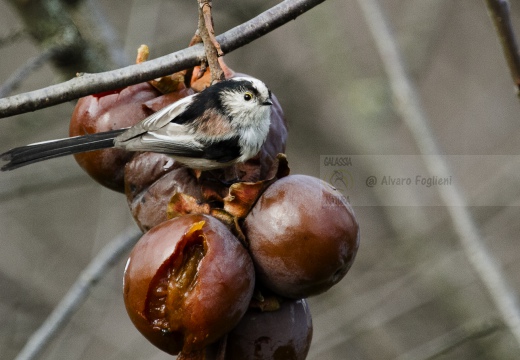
(224, 266)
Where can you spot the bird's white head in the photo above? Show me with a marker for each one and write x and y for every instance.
(247, 101)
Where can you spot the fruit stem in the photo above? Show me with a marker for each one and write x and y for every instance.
(211, 45)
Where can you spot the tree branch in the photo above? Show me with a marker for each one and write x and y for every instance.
(453, 339)
(177, 61)
(110, 255)
(11, 37)
(211, 45)
(52, 24)
(25, 70)
(501, 16)
(408, 105)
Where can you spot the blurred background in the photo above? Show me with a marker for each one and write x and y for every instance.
(411, 293)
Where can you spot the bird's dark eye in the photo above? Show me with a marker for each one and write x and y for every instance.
(248, 96)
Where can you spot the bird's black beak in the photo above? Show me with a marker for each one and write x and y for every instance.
(267, 102)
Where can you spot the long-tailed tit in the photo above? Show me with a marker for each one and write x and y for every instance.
(222, 125)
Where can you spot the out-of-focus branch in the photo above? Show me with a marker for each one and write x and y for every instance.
(74, 37)
(409, 107)
(499, 11)
(177, 61)
(11, 37)
(23, 71)
(89, 14)
(452, 339)
(77, 294)
(50, 23)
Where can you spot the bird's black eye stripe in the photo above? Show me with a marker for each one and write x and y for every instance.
(254, 91)
(248, 87)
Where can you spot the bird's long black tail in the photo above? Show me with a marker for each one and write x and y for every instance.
(32, 153)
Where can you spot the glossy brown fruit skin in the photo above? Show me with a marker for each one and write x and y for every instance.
(303, 236)
(221, 291)
(151, 180)
(284, 334)
(104, 112)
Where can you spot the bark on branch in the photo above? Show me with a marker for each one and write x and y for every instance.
(177, 61)
(211, 45)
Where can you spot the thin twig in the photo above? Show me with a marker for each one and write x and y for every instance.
(499, 11)
(208, 21)
(211, 45)
(11, 37)
(78, 293)
(113, 45)
(453, 339)
(169, 64)
(16, 78)
(51, 23)
(409, 106)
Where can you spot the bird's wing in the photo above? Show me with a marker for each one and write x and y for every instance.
(155, 121)
(172, 139)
